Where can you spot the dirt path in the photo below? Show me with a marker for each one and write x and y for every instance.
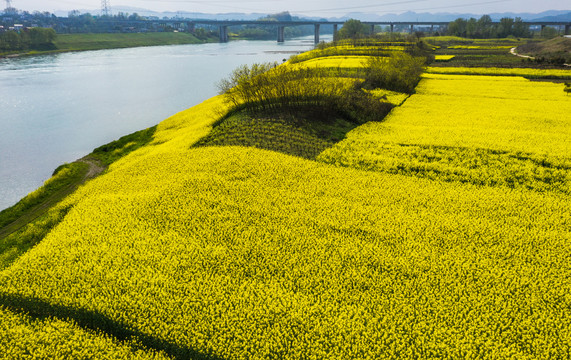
(95, 168)
(513, 52)
(35, 212)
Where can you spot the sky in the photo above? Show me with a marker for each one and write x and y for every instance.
(325, 8)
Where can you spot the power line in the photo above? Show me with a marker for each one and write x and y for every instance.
(422, 9)
(105, 8)
(366, 6)
(217, 4)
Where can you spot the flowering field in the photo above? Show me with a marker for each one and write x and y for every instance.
(525, 72)
(482, 47)
(23, 337)
(444, 57)
(484, 130)
(355, 61)
(441, 233)
(248, 254)
(381, 49)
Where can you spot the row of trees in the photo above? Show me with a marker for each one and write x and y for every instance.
(31, 39)
(483, 28)
(353, 29)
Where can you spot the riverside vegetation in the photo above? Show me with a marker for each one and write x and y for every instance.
(14, 43)
(290, 222)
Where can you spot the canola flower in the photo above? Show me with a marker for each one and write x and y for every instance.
(444, 57)
(461, 40)
(335, 62)
(484, 130)
(525, 72)
(242, 253)
(249, 254)
(380, 49)
(23, 337)
(480, 47)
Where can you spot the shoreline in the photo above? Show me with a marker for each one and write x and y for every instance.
(67, 43)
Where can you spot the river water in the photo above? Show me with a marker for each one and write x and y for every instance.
(58, 108)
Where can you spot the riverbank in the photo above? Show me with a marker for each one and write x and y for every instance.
(108, 93)
(84, 42)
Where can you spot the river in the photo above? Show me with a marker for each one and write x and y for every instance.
(58, 108)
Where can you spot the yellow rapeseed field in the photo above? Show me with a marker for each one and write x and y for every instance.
(352, 50)
(23, 337)
(480, 129)
(480, 47)
(441, 233)
(336, 62)
(525, 72)
(250, 254)
(444, 57)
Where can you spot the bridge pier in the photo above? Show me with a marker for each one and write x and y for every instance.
(317, 26)
(372, 29)
(568, 29)
(281, 37)
(411, 28)
(431, 28)
(223, 33)
(335, 31)
(392, 27)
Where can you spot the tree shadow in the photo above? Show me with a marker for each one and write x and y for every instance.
(96, 321)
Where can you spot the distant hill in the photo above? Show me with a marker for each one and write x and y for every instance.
(172, 14)
(557, 15)
(551, 15)
(561, 17)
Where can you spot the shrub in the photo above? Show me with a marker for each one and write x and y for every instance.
(400, 72)
(311, 91)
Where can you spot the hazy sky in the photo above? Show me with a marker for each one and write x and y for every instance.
(324, 8)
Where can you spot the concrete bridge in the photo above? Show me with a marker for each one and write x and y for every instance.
(223, 25)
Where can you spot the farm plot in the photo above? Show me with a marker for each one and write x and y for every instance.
(479, 129)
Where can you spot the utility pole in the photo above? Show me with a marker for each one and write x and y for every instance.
(105, 8)
(9, 8)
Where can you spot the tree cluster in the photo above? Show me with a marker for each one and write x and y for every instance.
(269, 88)
(353, 29)
(399, 72)
(30, 39)
(33, 19)
(483, 28)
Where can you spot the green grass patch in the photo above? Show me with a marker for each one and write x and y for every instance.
(28, 222)
(83, 42)
(63, 177)
(296, 136)
(557, 50)
(17, 243)
(109, 153)
(73, 42)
